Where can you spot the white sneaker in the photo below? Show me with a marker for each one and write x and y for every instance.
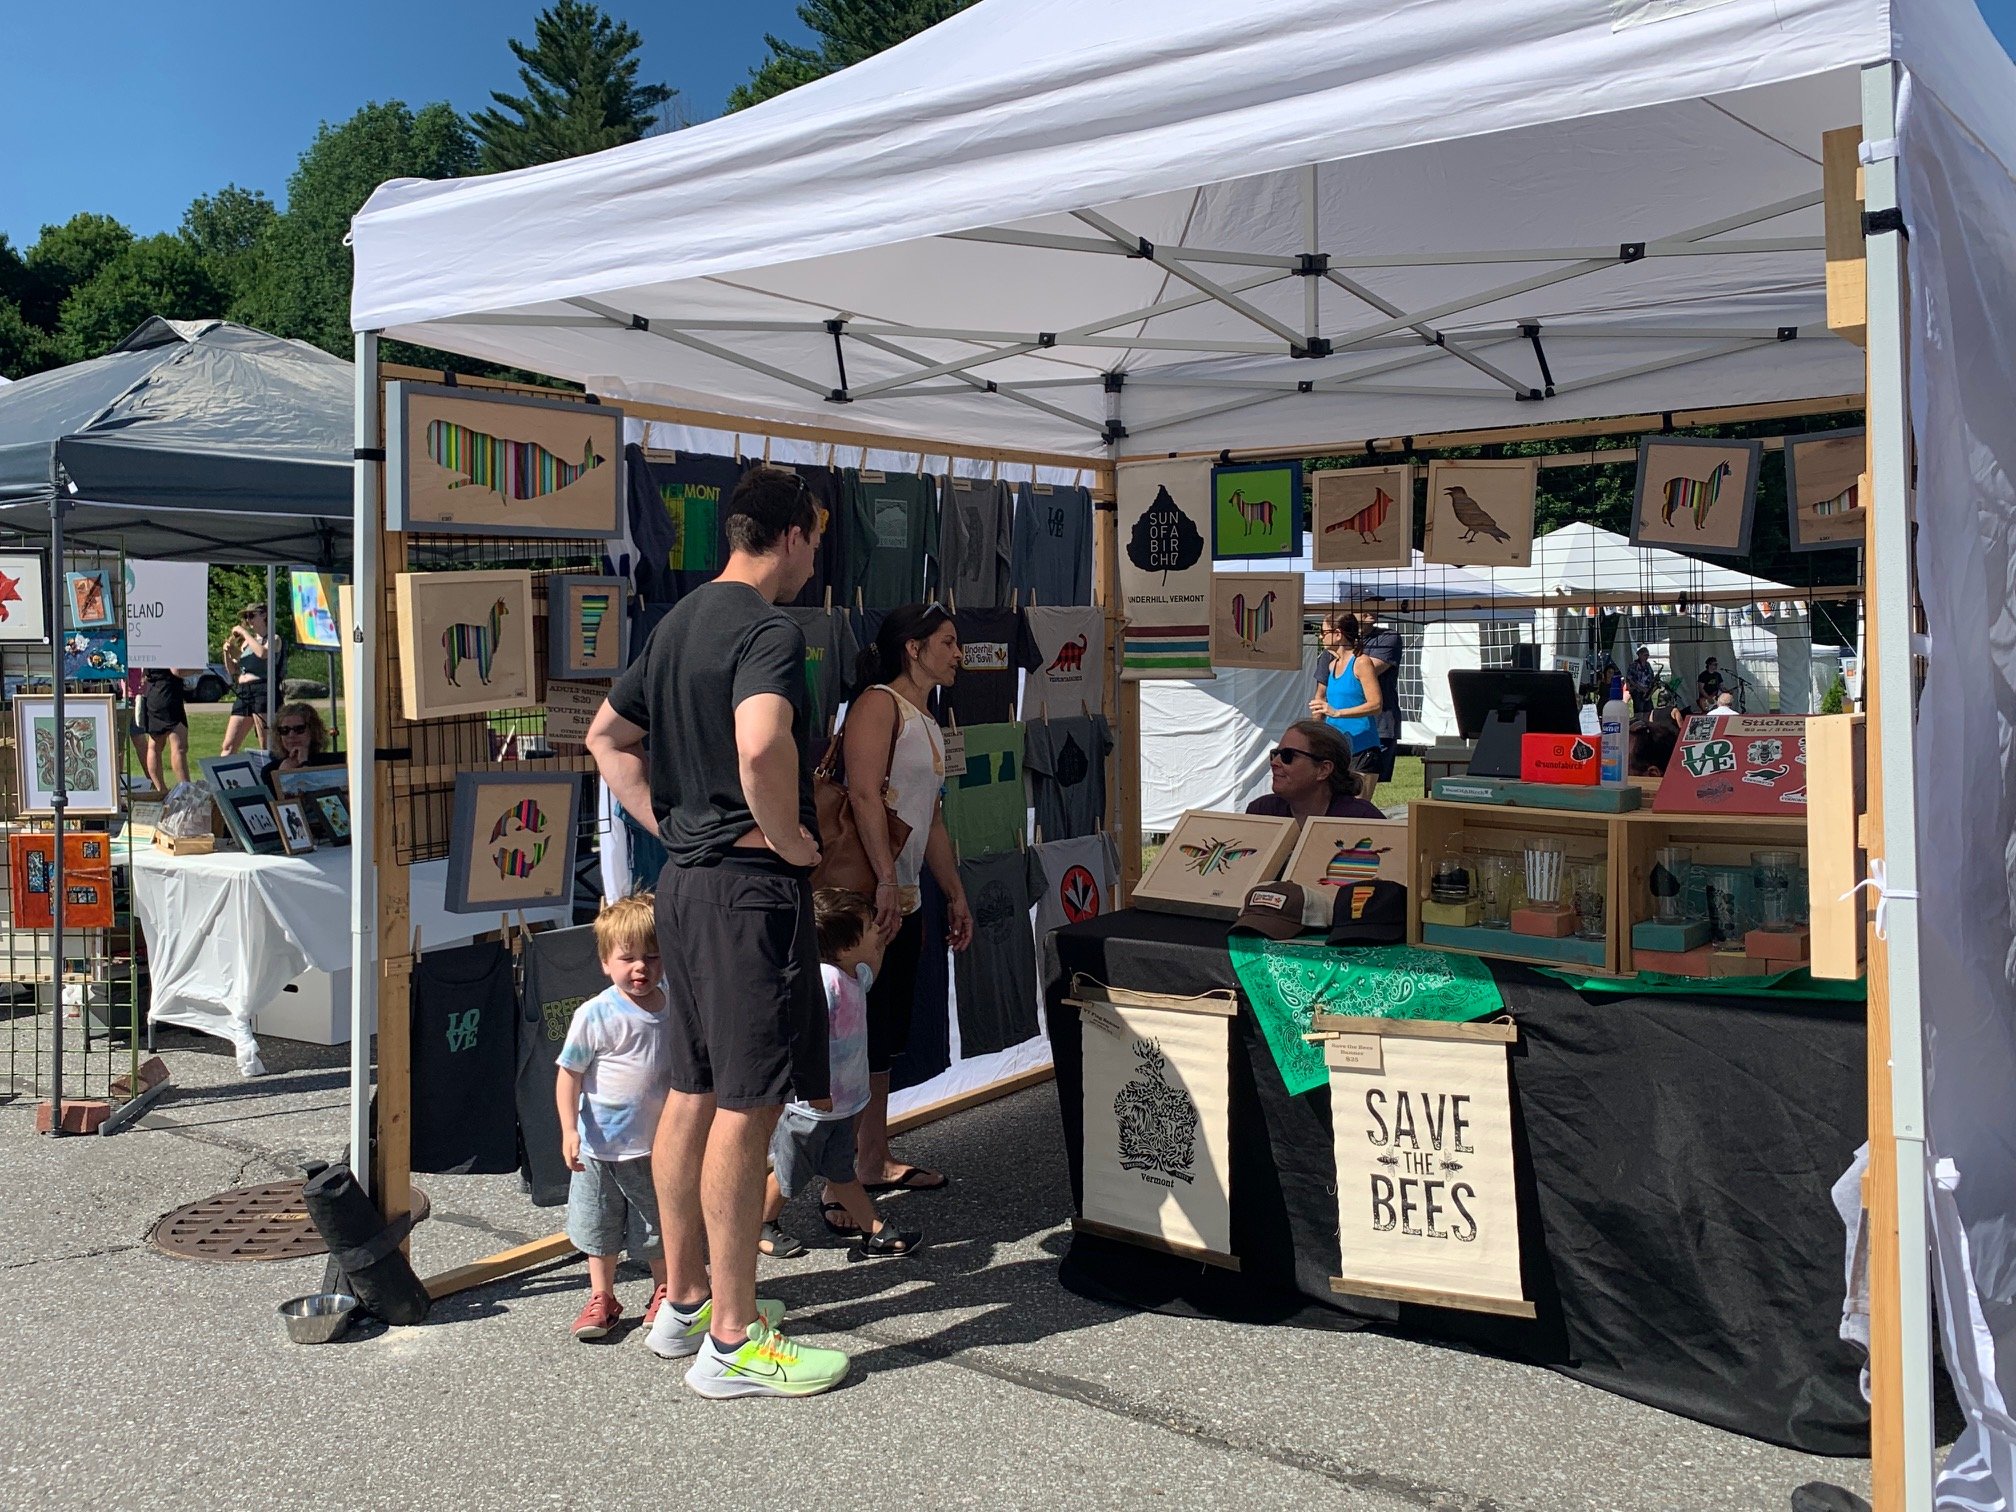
(674, 1335)
(767, 1364)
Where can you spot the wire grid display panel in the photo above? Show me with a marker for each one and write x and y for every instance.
(103, 979)
(434, 751)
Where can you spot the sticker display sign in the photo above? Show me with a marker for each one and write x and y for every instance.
(1739, 764)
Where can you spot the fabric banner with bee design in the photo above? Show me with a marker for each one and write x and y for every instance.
(1158, 1127)
(1427, 1205)
(1165, 569)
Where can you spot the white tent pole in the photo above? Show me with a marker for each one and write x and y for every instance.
(362, 675)
(1163, 260)
(1889, 556)
(1312, 243)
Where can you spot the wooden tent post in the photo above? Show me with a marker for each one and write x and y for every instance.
(1122, 700)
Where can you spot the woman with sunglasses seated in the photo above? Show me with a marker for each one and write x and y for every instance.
(300, 738)
(1312, 776)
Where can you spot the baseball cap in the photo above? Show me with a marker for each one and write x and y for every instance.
(1274, 909)
(1369, 913)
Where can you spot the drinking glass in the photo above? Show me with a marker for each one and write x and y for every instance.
(1772, 873)
(1724, 891)
(1452, 880)
(1494, 890)
(1585, 881)
(1544, 861)
(1671, 866)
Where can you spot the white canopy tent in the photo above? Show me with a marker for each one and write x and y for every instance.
(1134, 228)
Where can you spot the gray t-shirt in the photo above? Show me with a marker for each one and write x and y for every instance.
(1073, 880)
(1066, 761)
(830, 650)
(1064, 653)
(976, 537)
(994, 978)
(1053, 543)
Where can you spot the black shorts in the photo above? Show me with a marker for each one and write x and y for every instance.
(893, 998)
(252, 703)
(162, 708)
(1378, 760)
(747, 1010)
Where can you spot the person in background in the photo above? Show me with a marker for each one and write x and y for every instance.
(247, 650)
(164, 722)
(1312, 776)
(1708, 686)
(300, 739)
(1349, 697)
(1725, 706)
(1382, 647)
(1652, 748)
(1639, 678)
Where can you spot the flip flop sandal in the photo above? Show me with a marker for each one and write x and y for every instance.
(847, 1229)
(890, 1245)
(912, 1179)
(778, 1244)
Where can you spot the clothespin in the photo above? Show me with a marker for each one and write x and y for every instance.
(1039, 833)
(738, 446)
(829, 453)
(1084, 708)
(858, 607)
(829, 597)
(1032, 598)
(997, 469)
(953, 716)
(416, 944)
(766, 449)
(1021, 843)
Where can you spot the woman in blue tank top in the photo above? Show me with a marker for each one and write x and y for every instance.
(1348, 697)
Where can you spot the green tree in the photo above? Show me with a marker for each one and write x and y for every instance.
(161, 275)
(845, 32)
(299, 284)
(24, 348)
(224, 230)
(581, 92)
(65, 258)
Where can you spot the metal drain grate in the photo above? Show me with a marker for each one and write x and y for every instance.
(249, 1223)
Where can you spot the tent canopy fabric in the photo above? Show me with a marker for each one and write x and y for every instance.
(196, 439)
(1635, 182)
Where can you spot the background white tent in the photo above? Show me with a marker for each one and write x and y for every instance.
(1340, 222)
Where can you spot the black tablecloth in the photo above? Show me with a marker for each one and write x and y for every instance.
(1674, 1156)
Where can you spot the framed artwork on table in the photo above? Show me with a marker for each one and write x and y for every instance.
(1211, 860)
(1256, 620)
(1480, 512)
(296, 838)
(1824, 507)
(87, 881)
(1361, 517)
(24, 598)
(88, 599)
(231, 774)
(1334, 853)
(1256, 510)
(1696, 494)
(465, 643)
(587, 626)
(94, 656)
(332, 811)
(308, 782)
(252, 821)
(85, 746)
(511, 844)
(460, 459)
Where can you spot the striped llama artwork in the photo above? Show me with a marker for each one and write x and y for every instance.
(591, 609)
(1250, 624)
(1257, 513)
(515, 471)
(1367, 520)
(516, 861)
(464, 642)
(1692, 496)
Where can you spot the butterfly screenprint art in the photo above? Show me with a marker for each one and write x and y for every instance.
(1212, 860)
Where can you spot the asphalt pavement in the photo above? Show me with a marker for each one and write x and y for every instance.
(134, 1380)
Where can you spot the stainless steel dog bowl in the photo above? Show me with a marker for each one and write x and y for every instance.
(317, 1318)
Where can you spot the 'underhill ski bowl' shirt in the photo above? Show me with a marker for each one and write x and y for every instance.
(622, 1055)
(846, 1044)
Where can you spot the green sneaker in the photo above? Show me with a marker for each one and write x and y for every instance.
(673, 1335)
(768, 1365)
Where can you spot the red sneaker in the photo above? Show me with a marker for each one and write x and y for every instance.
(598, 1317)
(657, 1301)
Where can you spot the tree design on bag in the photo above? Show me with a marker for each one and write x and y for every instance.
(1157, 1122)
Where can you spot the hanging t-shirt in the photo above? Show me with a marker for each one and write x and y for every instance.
(1053, 544)
(986, 808)
(976, 541)
(562, 971)
(989, 668)
(652, 534)
(693, 492)
(891, 526)
(465, 1050)
(995, 976)
(1073, 880)
(824, 484)
(623, 1055)
(1064, 652)
(830, 650)
(1067, 775)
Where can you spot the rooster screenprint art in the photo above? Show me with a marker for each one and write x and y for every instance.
(1480, 512)
(1256, 620)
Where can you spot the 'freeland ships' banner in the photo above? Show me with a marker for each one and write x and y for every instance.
(1165, 569)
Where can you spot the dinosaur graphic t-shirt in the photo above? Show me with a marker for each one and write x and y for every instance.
(975, 535)
(1053, 544)
(1067, 774)
(1063, 651)
(994, 978)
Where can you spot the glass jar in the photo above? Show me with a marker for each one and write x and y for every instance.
(1672, 867)
(1772, 875)
(1585, 884)
(1451, 882)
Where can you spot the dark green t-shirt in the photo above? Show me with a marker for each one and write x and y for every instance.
(892, 518)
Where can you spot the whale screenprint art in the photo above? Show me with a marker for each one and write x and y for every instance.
(501, 464)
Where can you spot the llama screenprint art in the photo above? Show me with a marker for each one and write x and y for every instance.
(501, 464)
(1696, 495)
(1256, 620)
(465, 643)
(1823, 489)
(1256, 510)
(512, 841)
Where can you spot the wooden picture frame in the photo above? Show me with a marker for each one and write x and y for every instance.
(1211, 860)
(1331, 853)
(465, 643)
(587, 626)
(87, 599)
(1480, 512)
(511, 842)
(95, 655)
(1824, 507)
(231, 774)
(478, 462)
(332, 810)
(253, 823)
(24, 598)
(1696, 494)
(1361, 517)
(91, 765)
(87, 880)
(309, 782)
(1256, 511)
(297, 838)
(1256, 620)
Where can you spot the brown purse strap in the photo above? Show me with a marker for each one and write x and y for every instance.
(831, 768)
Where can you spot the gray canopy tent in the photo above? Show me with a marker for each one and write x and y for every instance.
(197, 440)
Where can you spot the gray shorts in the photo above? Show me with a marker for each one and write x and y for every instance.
(804, 1149)
(611, 1207)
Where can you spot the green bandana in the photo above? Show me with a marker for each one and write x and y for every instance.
(1287, 980)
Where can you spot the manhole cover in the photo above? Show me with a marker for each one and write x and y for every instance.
(249, 1223)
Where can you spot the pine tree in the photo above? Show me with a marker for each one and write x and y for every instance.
(847, 31)
(581, 92)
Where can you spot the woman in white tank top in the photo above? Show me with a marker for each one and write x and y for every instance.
(915, 651)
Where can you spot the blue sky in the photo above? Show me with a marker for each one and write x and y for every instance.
(133, 109)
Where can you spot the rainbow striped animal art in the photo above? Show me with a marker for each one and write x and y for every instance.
(515, 471)
(1845, 502)
(1249, 624)
(593, 608)
(525, 817)
(1355, 861)
(1367, 520)
(464, 642)
(1257, 513)
(1216, 855)
(1692, 496)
